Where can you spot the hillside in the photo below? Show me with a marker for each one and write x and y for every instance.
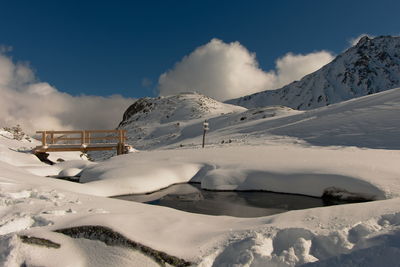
(154, 122)
(371, 66)
(371, 121)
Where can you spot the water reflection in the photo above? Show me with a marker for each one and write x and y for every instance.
(191, 198)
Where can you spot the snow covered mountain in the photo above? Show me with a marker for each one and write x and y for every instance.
(371, 66)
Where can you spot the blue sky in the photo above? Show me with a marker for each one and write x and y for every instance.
(109, 47)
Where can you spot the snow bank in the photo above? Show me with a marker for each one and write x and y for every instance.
(372, 174)
(114, 177)
(71, 167)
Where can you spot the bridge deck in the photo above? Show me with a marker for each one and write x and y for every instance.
(77, 147)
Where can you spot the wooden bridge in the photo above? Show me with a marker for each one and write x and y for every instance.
(84, 141)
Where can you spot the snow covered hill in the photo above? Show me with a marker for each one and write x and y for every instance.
(154, 122)
(371, 121)
(371, 66)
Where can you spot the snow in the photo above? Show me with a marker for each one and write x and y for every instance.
(222, 168)
(274, 153)
(369, 67)
(119, 176)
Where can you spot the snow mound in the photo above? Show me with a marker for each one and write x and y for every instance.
(369, 243)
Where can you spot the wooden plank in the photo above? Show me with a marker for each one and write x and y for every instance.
(79, 131)
(60, 132)
(91, 138)
(67, 139)
(79, 145)
(104, 138)
(102, 131)
(59, 149)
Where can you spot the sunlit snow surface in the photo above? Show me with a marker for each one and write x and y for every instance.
(352, 146)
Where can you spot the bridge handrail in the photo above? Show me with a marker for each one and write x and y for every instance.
(85, 139)
(85, 136)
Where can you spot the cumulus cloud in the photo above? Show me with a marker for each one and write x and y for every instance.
(37, 105)
(228, 70)
(218, 70)
(293, 67)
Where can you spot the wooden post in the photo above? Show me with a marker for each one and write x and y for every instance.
(82, 137)
(52, 138)
(87, 137)
(120, 145)
(120, 149)
(44, 138)
(121, 136)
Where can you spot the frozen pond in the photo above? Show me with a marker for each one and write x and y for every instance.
(191, 198)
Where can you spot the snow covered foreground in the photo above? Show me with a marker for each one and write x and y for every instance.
(34, 206)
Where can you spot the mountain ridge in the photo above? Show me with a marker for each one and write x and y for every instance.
(371, 66)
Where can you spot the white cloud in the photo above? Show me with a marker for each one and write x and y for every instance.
(218, 70)
(224, 71)
(37, 105)
(293, 67)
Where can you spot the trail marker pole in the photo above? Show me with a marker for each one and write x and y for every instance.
(205, 129)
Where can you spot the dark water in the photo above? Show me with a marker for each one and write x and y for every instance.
(191, 198)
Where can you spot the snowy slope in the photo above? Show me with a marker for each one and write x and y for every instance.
(154, 122)
(373, 65)
(371, 121)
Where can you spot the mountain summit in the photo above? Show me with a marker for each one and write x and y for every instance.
(371, 66)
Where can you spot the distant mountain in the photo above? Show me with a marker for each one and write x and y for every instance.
(371, 66)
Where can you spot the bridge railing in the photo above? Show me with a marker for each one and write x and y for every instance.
(82, 140)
